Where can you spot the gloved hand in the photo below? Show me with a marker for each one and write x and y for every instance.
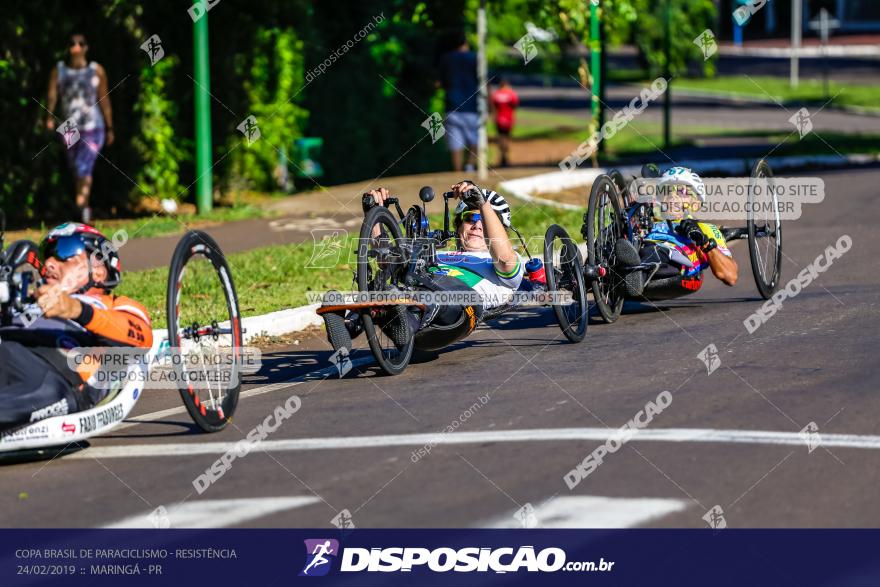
(469, 193)
(473, 198)
(690, 228)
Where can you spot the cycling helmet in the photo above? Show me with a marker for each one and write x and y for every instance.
(72, 238)
(498, 203)
(686, 177)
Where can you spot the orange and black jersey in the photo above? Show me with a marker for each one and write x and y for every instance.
(117, 319)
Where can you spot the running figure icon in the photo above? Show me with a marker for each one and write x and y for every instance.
(318, 552)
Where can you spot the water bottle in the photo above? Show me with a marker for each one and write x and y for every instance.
(535, 270)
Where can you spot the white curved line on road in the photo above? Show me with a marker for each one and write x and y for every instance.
(703, 435)
(311, 376)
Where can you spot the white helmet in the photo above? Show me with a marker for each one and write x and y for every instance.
(498, 203)
(686, 177)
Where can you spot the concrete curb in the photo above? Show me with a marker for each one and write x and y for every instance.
(271, 324)
(527, 188)
(809, 52)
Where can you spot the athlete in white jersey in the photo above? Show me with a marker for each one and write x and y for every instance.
(484, 261)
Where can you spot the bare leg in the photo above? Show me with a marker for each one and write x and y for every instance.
(470, 157)
(83, 191)
(504, 148)
(457, 160)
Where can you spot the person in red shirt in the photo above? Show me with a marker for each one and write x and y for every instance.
(504, 103)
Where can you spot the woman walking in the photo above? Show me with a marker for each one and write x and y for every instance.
(86, 117)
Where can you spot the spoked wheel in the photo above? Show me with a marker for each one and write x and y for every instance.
(379, 261)
(620, 182)
(564, 268)
(603, 225)
(765, 230)
(204, 330)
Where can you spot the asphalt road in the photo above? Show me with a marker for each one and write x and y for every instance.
(814, 361)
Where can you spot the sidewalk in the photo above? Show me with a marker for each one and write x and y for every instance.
(860, 46)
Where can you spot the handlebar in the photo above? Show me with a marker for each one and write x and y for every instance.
(368, 202)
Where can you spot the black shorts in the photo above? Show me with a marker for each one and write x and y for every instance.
(31, 389)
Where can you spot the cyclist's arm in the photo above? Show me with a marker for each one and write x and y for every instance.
(126, 323)
(505, 259)
(723, 267)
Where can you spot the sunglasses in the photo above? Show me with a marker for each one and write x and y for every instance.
(62, 248)
(77, 44)
(471, 217)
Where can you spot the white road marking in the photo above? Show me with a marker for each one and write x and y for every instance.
(213, 513)
(325, 372)
(591, 511)
(534, 435)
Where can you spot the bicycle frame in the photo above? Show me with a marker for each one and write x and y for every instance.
(421, 243)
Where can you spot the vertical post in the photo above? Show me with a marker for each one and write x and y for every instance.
(823, 35)
(483, 99)
(667, 105)
(796, 18)
(603, 72)
(595, 62)
(204, 183)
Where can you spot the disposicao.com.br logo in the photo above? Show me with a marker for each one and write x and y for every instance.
(442, 560)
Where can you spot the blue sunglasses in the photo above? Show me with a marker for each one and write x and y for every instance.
(62, 248)
(472, 217)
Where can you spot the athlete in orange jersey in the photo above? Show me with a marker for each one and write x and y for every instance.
(80, 267)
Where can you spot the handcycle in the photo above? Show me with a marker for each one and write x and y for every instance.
(614, 213)
(396, 255)
(202, 317)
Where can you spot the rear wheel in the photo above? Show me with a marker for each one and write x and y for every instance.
(379, 262)
(204, 330)
(603, 225)
(764, 230)
(564, 269)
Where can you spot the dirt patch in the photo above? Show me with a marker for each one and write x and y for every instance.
(306, 338)
(541, 151)
(575, 196)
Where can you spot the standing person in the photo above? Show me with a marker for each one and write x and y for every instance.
(458, 76)
(85, 108)
(504, 102)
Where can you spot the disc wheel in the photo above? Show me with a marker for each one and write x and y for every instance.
(564, 269)
(764, 230)
(379, 262)
(204, 331)
(603, 225)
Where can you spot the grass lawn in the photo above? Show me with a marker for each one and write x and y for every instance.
(279, 277)
(809, 90)
(822, 143)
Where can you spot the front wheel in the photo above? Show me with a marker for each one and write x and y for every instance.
(764, 229)
(379, 263)
(603, 226)
(204, 330)
(564, 269)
